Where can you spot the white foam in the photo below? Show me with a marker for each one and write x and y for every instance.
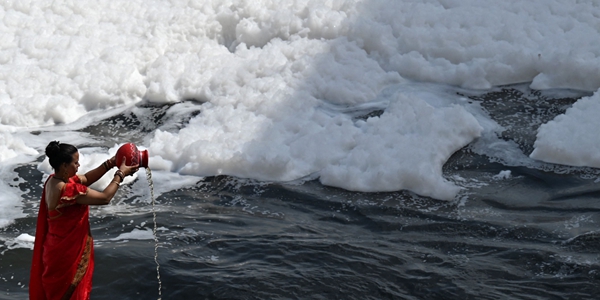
(13, 151)
(10, 200)
(278, 80)
(505, 174)
(135, 234)
(24, 240)
(572, 138)
(80, 59)
(405, 148)
(12, 146)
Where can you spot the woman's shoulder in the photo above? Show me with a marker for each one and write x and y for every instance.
(72, 189)
(74, 179)
(60, 194)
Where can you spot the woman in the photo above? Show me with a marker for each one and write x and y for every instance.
(63, 253)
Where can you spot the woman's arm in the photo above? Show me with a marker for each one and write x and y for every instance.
(92, 176)
(93, 197)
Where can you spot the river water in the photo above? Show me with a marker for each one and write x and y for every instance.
(514, 231)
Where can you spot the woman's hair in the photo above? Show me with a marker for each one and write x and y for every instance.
(59, 153)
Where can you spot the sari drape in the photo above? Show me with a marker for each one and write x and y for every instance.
(63, 251)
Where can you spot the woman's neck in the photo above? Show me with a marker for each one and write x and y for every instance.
(60, 178)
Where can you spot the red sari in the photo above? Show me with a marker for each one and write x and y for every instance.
(63, 252)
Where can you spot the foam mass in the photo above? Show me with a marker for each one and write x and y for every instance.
(572, 138)
(277, 79)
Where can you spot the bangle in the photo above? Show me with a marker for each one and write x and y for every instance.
(120, 174)
(118, 184)
(108, 164)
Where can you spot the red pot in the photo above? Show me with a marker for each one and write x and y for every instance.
(132, 155)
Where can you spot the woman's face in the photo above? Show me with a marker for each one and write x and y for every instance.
(73, 167)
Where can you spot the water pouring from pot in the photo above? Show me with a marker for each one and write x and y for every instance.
(133, 156)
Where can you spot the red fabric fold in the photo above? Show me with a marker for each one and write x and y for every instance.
(63, 252)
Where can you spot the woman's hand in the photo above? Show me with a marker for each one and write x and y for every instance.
(128, 170)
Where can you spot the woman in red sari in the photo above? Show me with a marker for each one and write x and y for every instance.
(63, 252)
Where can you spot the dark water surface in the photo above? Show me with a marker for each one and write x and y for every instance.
(532, 235)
